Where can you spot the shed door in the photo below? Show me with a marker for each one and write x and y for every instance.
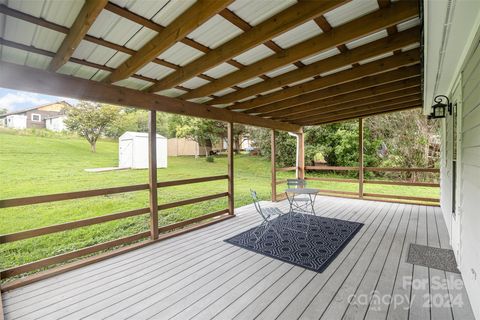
(125, 154)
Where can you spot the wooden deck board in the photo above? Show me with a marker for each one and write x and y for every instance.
(198, 276)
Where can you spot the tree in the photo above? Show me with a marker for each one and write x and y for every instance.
(3, 111)
(90, 120)
(136, 120)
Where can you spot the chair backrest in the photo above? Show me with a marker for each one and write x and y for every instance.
(256, 203)
(296, 183)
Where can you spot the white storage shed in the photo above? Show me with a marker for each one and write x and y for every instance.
(133, 150)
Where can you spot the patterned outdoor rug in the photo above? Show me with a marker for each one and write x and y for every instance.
(314, 249)
(432, 257)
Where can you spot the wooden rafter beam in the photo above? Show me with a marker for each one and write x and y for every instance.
(87, 15)
(264, 103)
(358, 54)
(268, 29)
(378, 100)
(350, 92)
(188, 21)
(356, 111)
(30, 79)
(319, 107)
(373, 22)
(366, 113)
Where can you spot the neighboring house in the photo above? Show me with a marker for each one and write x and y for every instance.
(37, 117)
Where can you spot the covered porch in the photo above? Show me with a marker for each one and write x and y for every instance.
(197, 275)
(277, 66)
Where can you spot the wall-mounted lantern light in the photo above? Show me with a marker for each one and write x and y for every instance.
(440, 108)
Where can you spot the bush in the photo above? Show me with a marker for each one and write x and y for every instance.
(210, 158)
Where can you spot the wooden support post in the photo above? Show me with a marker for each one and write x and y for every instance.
(360, 158)
(301, 156)
(231, 154)
(273, 165)
(152, 173)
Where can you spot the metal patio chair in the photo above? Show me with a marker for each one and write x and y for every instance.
(268, 214)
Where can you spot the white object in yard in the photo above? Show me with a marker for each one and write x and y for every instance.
(133, 150)
(16, 121)
(56, 123)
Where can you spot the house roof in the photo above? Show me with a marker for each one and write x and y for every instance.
(36, 107)
(261, 62)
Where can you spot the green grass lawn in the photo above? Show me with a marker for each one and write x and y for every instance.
(32, 165)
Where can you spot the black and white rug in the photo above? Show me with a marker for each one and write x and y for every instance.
(313, 249)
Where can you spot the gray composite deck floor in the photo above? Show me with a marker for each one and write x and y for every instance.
(197, 275)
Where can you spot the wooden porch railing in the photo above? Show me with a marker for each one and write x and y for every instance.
(362, 182)
(27, 234)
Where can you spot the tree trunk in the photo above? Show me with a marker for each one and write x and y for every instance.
(93, 146)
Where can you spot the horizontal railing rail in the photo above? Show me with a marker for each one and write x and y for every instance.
(61, 258)
(286, 169)
(380, 182)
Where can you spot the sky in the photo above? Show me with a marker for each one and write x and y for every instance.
(14, 100)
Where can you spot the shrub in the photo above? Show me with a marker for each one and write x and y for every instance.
(210, 158)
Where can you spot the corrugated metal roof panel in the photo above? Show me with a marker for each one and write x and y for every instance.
(335, 71)
(224, 92)
(146, 9)
(220, 70)
(61, 12)
(408, 24)
(370, 38)
(19, 31)
(200, 100)
(77, 70)
(113, 28)
(271, 91)
(100, 75)
(33, 8)
(117, 59)
(320, 56)
(180, 54)
(410, 47)
(250, 82)
(253, 55)
(155, 71)
(215, 32)
(281, 70)
(350, 11)
(300, 82)
(21, 57)
(385, 55)
(29, 34)
(93, 53)
(140, 39)
(298, 34)
(133, 83)
(173, 93)
(171, 11)
(255, 11)
(194, 83)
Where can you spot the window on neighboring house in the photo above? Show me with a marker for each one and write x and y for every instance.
(36, 117)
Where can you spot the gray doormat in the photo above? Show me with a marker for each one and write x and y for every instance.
(432, 257)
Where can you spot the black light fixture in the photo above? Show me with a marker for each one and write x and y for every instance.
(440, 108)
